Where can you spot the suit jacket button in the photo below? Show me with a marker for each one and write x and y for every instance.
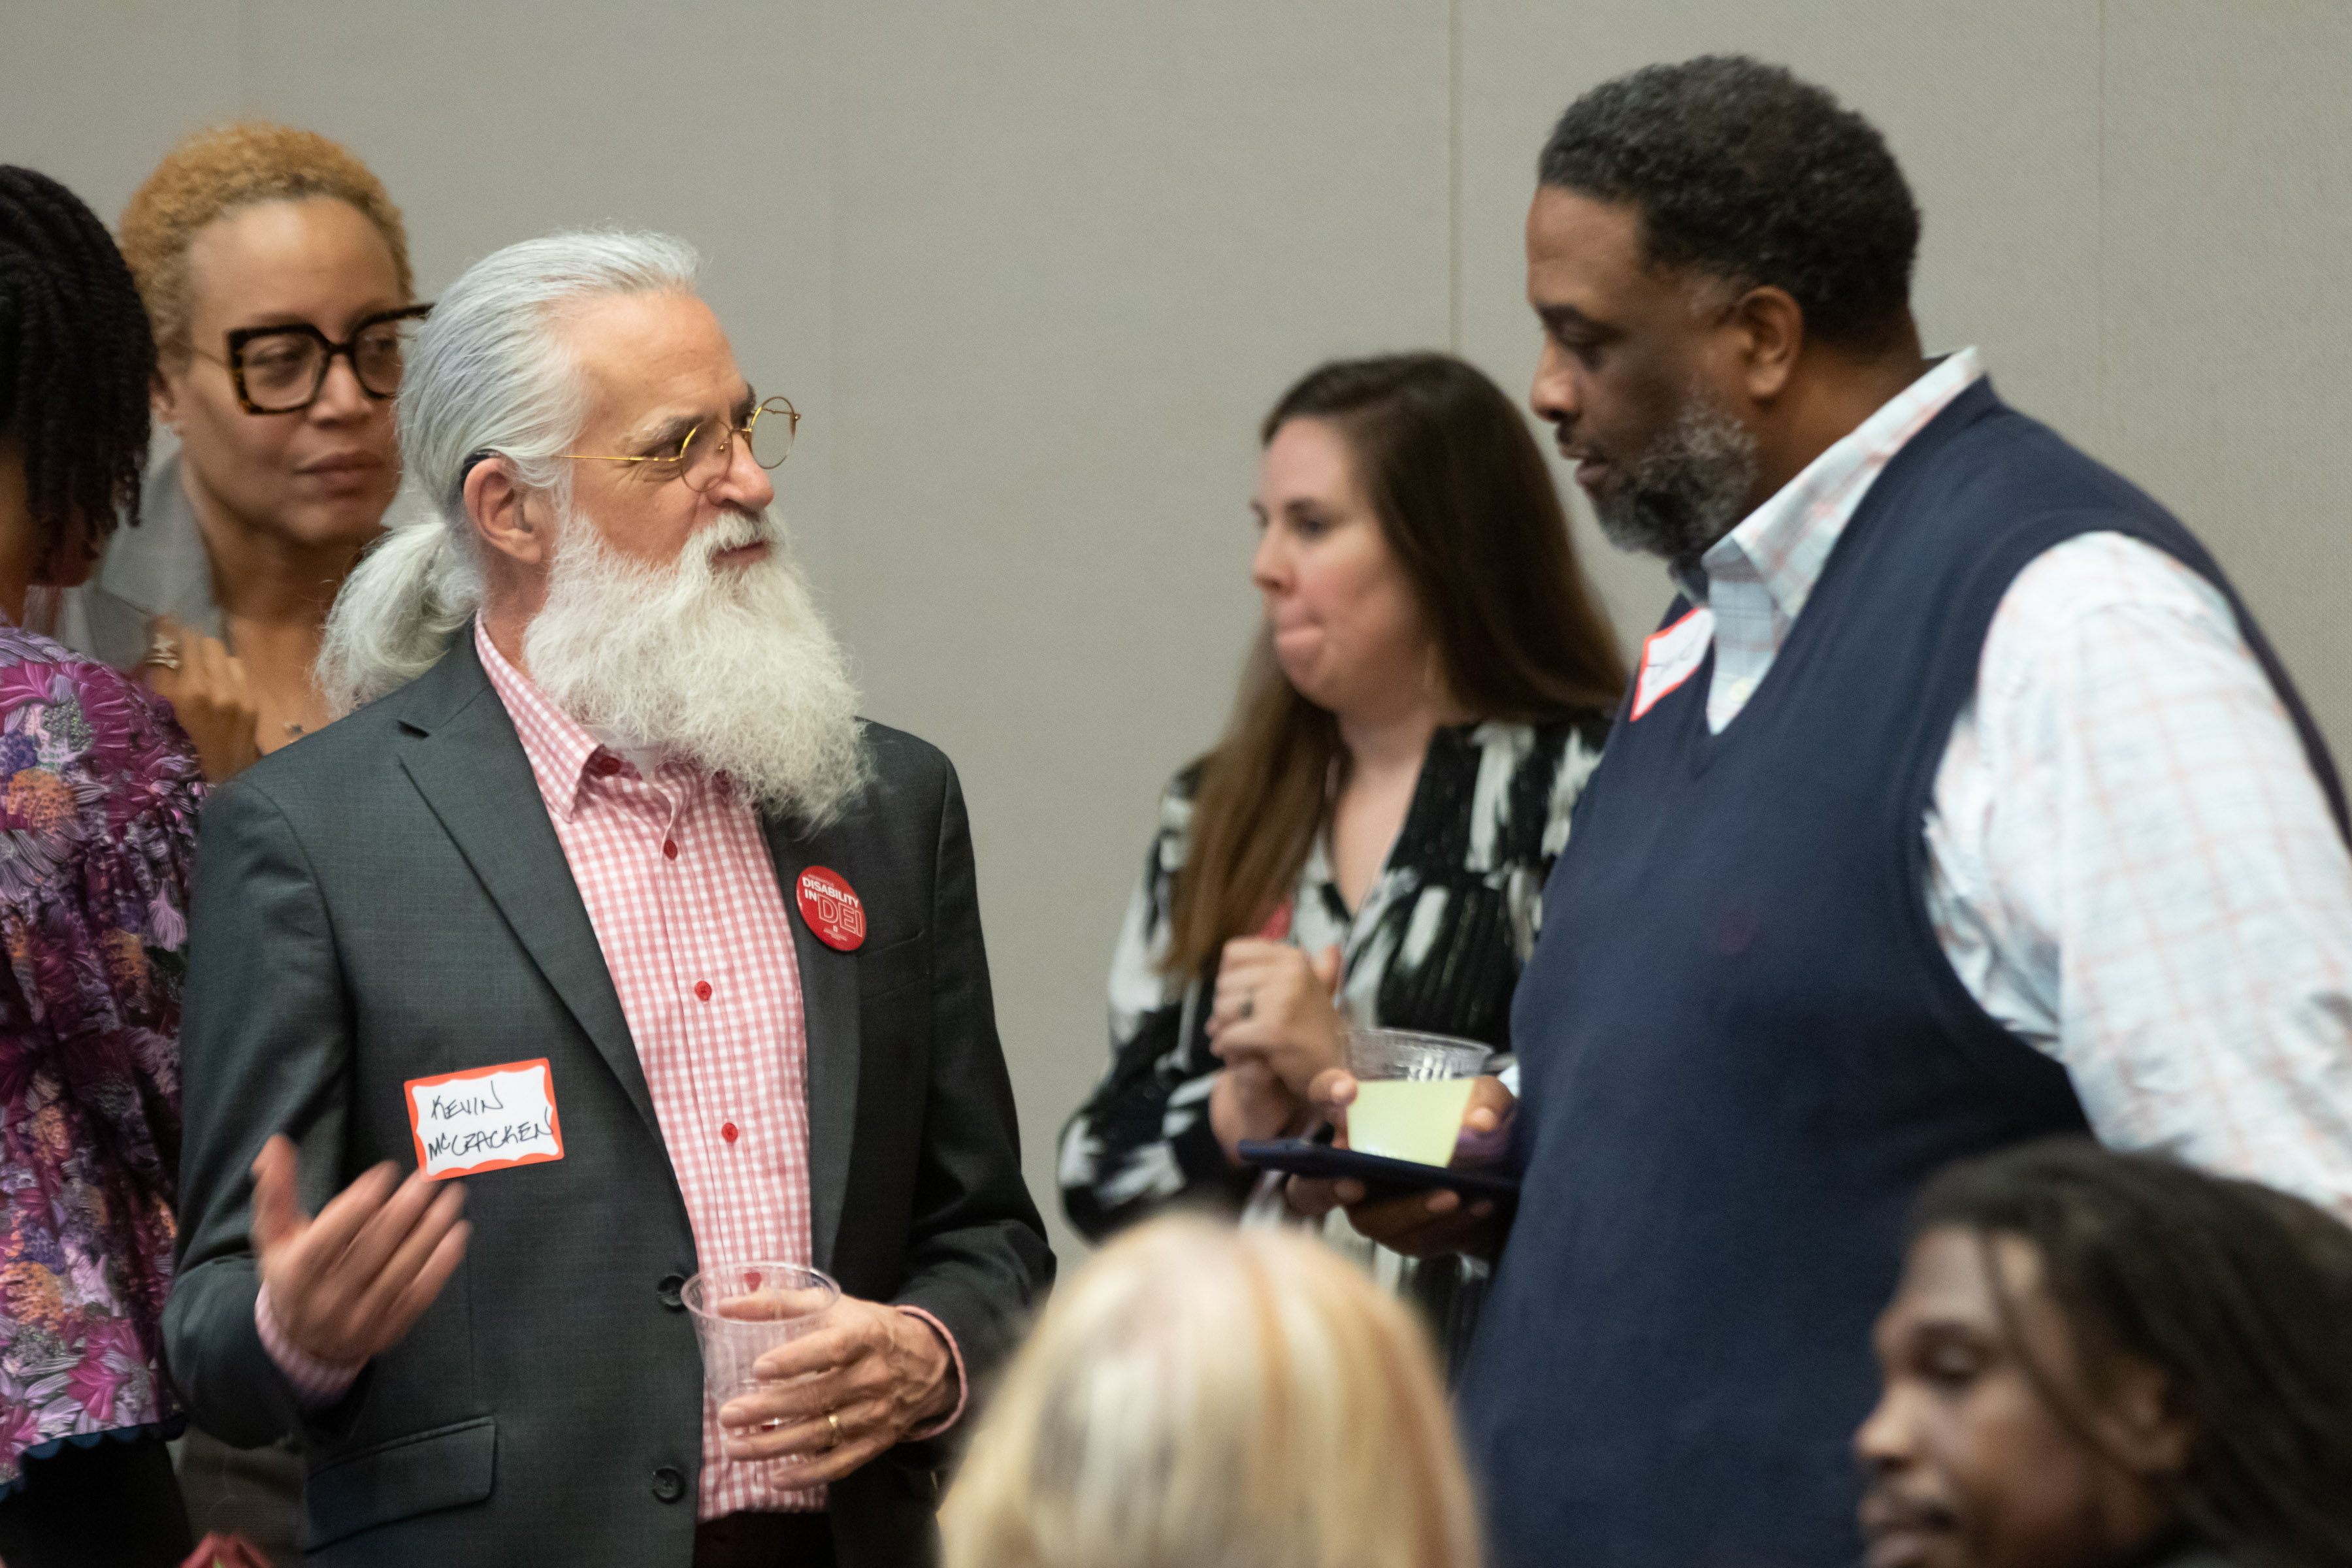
(668, 1290)
(668, 1484)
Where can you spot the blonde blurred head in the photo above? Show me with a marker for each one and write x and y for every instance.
(1204, 1397)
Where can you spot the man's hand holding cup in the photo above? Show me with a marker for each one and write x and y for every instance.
(840, 1394)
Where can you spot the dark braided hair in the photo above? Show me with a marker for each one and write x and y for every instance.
(2240, 1296)
(76, 361)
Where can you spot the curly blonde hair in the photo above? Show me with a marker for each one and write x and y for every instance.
(218, 171)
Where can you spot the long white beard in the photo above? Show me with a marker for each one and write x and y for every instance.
(730, 668)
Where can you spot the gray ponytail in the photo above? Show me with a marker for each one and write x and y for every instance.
(394, 620)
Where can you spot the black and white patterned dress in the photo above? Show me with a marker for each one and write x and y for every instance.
(1436, 945)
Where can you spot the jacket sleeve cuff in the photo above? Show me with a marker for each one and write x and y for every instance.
(319, 1384)
(963, 1385)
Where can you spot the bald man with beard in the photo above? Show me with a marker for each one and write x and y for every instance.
(607, 849)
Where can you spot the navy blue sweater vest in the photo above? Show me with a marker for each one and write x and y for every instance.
(1743, 1048)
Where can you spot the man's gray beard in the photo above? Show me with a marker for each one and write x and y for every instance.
(730, 668)
(1688, 491)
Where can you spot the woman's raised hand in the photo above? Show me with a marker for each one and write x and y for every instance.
(205, 685)
(1274, 1006)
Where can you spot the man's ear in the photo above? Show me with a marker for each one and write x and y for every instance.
(1771, 326)
(515, 522)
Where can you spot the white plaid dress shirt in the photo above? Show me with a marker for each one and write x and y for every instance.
(2130, 863)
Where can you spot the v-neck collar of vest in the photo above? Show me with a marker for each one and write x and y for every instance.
(1702, 747)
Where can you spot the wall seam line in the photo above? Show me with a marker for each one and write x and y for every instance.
(2099, 246)
(1453, 176)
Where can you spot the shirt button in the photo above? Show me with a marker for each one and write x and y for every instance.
(605, 765)
(668, 1484)
(702, 990)
(669, 848)
(729, 1132)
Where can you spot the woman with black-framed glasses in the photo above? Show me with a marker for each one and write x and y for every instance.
(275, 270)
(276, 273)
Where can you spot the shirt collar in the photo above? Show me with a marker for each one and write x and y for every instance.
(560, 747)
(1784, 545)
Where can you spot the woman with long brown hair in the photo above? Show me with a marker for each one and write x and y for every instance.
(1370, 840)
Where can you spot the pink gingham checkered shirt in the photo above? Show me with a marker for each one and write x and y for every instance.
(2130, 863)
(683, 896)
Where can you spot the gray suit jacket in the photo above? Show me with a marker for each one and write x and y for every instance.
(160, 567)
(388, 901)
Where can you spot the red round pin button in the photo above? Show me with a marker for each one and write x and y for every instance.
(831, 909)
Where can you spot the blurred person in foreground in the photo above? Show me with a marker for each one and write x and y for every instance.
(101, 794)
(1957, 800)
(1370, 841)
(276, 271)
(1199, 1397)
(570, 844)
(2096, 1360)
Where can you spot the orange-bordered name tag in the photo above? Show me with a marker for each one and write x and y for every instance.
(1671, 655)
(490, 1118)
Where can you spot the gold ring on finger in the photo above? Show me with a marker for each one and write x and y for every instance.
(833, 1422)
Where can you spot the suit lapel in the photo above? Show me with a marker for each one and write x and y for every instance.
(829, 1003)
(465, 758)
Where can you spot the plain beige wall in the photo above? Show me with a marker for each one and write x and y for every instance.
(1034, 270)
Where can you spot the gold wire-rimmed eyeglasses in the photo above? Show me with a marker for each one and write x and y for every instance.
(708, 449)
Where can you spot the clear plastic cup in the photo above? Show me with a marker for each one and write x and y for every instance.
(1411, 1092)
(741, 1311)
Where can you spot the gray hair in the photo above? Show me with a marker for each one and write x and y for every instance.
(490, 373)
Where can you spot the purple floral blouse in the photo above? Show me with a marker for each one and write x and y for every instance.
(99, 797)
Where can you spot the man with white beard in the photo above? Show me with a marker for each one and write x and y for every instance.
(608, 903)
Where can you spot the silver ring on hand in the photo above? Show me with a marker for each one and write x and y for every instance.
(1249, 1004)
(163, 652)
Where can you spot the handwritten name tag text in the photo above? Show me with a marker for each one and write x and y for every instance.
(489, 1118)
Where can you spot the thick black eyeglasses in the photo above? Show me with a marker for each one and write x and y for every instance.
(280, 370)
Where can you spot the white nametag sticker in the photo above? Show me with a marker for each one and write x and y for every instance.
(1671, 655)
(491, 1119)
